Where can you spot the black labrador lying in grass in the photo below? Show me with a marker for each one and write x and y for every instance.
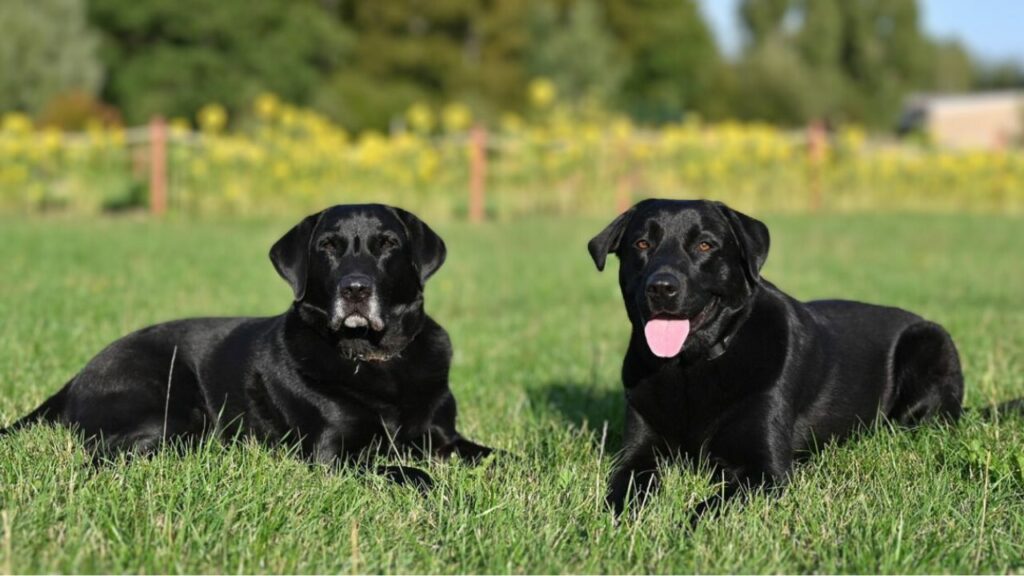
(723, 365)
(354, 364)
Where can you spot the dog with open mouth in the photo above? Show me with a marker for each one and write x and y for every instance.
(354, 364)
(724, 367)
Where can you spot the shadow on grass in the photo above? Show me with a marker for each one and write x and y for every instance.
(583, 405)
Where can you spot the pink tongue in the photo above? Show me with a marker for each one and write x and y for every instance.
(665, 337)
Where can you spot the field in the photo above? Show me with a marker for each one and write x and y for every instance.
(538, 335)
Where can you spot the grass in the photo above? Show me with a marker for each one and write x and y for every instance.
(538, 335)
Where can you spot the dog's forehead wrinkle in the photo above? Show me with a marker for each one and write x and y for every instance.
(680, 223)
(690, 220)
(652, 228)
(356, 224)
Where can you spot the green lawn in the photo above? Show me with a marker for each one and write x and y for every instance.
(538, 336)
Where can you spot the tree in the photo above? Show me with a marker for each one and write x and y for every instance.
(762, 19)
(172, 57)
(854, 59)
(578, 53)
(884, 56)
(951, 67)
(408, 52)
(999, 75)
(774, 83)
(48, 50)
(673, 62)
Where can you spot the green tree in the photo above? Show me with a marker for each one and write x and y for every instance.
(856, 59)
(672, 59)
(999, 75)
(47, 50)
(951, 67)
(172, 57)
(575, 50)
(469, 50)
(884, 56)
(774, 83)
(762, 19)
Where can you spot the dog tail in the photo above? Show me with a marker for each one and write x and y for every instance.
(1008, 408)
(48, 411)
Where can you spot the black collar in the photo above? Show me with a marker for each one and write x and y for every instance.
(719, 348)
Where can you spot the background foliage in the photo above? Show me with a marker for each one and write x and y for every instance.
(48, 50)
(362, 64)
(290, 160)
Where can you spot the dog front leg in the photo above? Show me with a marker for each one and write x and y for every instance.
(465, 449)
(360, 461)
(407, 476)
(443, 441)
(635, 477)
(740, 481)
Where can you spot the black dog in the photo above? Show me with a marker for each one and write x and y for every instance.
(723, 365)
(354, 364)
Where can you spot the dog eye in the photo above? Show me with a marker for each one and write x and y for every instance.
(704, 246)
(388, 242)
(325, 244)
(642, 244)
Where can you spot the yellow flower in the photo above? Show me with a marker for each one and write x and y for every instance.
(289, 116)
(853, 137)
(179, 126)
(427, 163)
(16, 123)
(212, 118)
(622, 128)
(420, 117)
(281, 170)
(456, 117)
(372, 149)
(267, 105)
(117, 137)
(542, 92)
(52, 138)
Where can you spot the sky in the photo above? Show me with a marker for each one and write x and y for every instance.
(992, 30)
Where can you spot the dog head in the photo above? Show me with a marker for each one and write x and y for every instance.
(686, 270)
(361, 270)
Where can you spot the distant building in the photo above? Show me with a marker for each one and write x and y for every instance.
(973, 120)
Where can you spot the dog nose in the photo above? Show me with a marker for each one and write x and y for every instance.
(356, 288)
(661, 287)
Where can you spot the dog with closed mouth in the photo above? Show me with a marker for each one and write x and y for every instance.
(724, 367)
(354, 363)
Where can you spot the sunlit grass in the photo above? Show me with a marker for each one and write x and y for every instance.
(538, 336)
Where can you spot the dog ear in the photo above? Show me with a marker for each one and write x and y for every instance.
(428, 249)
(607, 241)
(290, 254)
(752, 237)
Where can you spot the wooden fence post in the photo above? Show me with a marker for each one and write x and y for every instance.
(477, 173)
(158, 166)
(817, 147)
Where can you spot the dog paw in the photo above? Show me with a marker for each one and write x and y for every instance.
(407, 476)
